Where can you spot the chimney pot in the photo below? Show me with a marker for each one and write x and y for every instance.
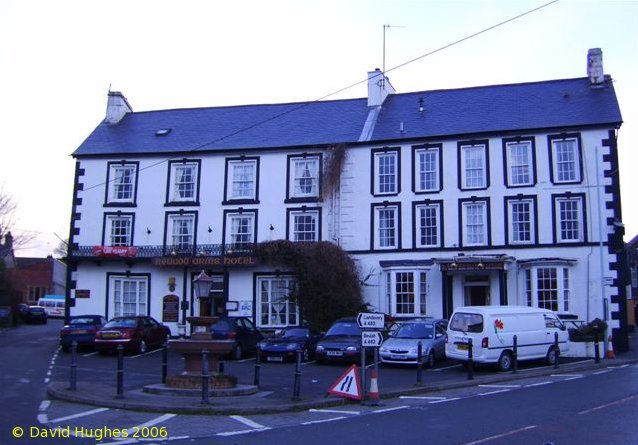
(595, 66)
(117, 107)
(379, 88)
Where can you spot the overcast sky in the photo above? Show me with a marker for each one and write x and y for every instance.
(59, 59)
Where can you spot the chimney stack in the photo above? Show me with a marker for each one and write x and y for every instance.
(116, 107)
(378, 88)
(595, 67)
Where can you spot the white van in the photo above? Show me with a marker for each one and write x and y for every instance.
(492, 330)
(53, 305)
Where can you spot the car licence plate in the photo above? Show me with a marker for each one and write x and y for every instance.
(271, 358)
(396, 357)
(334, 353)
(462, 346)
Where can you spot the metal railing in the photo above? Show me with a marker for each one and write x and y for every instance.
(187, 250)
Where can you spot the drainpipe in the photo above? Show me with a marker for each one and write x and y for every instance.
(600, 241)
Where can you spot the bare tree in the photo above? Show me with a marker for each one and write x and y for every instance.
(7, 212)
(8, 209)
(62, 249)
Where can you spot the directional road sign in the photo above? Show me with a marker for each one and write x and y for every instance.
(371, 339)
(370, 320)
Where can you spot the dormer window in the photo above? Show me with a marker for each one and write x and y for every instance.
(163, 131)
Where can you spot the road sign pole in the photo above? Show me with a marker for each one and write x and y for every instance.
(364, 385)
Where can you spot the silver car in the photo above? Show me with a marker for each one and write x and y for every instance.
(402, 345)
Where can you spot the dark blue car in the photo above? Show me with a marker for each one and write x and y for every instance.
(81, 329)
(284, 345)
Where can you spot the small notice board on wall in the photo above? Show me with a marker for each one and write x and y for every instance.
(170, 308)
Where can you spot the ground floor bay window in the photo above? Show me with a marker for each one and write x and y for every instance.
(548, 286)
(406, 292)
(274, 309)
(128, 295)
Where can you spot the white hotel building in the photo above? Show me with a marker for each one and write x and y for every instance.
(504, 194)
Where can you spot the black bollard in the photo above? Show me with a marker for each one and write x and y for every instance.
(470, 361)
(120, 372)
(596, 350)
(74, 366)
(257, 368)
(515, 355)
(220, 367)
(205, 376)
(164, 361)
(419, 363)
(557, 350)
(297, 386)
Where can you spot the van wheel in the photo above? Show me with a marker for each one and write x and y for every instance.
(504, 361)
(552, 356)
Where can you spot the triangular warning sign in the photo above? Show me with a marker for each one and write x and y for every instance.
(348, 385)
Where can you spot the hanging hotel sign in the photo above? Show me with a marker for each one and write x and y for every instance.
(120, 251)
(209, 261)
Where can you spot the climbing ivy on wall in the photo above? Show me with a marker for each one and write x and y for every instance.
(332, 169)
(328, 285)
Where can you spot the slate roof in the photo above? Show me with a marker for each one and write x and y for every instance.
(455, 112)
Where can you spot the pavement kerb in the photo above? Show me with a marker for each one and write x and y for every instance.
(137, 400)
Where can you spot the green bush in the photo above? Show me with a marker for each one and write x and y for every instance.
(328, 285)
(591, 331)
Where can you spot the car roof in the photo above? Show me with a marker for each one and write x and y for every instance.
(422, 320)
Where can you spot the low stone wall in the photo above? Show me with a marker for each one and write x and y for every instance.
(189, 381)
(583, 349)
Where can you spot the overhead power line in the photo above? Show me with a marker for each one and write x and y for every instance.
(341, 90)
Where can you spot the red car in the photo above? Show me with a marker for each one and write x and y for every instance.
(136, 333)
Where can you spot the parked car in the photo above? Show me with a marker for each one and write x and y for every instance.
(136, 333)
(402, 345)
(81, 329)
(36, 314)
(22, 311)
(240, 329)
(285, 344)
(342, 342)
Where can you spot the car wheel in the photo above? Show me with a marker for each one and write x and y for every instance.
(142, 347)
(552, 356)
(237, 352)
(305, 355)
(431, 360)
(504, 361)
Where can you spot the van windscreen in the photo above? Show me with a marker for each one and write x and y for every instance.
(465, 322)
